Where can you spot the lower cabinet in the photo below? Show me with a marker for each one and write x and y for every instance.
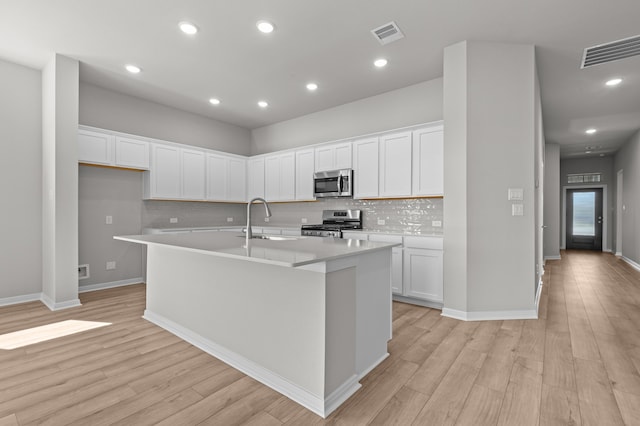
(423, 274)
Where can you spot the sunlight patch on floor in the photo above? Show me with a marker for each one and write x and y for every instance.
(30, 336)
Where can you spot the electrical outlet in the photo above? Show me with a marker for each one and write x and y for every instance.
(517, 209)
(173, 220)
(381, 221)
(111, 265)
(108, 220)
(436, 223)
(303, 220)
(266, 219)
(229, 219)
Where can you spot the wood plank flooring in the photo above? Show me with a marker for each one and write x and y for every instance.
(578, 364)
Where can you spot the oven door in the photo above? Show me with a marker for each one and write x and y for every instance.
(336, 183)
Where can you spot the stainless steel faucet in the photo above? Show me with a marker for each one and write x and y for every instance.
(267, 210)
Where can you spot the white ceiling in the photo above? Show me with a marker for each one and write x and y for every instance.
(329, 42)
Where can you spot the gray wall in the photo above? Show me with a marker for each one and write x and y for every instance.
(552, 209)
(491, 88)
(116, 111)
(604, 165)
(20, 180)
(157, 214)
(628, 160)
(416, 104)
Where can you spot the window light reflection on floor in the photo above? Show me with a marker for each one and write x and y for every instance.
(30, 336)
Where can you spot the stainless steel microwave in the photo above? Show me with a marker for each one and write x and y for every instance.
(334, 183)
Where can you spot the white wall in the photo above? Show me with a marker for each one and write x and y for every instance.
(416, 104)
(628, 160)
(552, 201)
(493, 91)
(20, 181)
(116, 111)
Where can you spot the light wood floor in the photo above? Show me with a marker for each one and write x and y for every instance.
(577, 364)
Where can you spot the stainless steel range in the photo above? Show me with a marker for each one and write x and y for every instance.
(334, 222)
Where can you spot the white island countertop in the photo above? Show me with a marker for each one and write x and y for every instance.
(285, 251)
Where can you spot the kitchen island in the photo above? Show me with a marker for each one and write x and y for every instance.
(306, 316)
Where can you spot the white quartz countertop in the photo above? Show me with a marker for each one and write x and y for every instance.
(288, 251)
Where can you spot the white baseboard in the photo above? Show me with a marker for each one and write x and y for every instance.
(618, 254)
(14, 300)
(633, 264)
(419, 302)
(112, 284)
(58, 306)
(321, 406)
(554, 257)
(490, 315)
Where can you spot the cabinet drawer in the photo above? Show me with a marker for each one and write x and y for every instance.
(354, 236)
(432, 243)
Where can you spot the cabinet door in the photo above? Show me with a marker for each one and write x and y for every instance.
(236, 179)
(193, 175)
(324, 158)
(287, 177)
(342, 156)
(255, 177)
(165, 172)
(365, 167)
(423, 274)
(132, 153)
(94, 147)
(395, 165)
(216, 177)
(304, 174)
(272, 178)
(428, 161)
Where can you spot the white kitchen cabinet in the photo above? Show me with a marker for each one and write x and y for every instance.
(217, 172)
(279, 177)
(428, 161)
(95, 147)
(236, 179)
(255, 178)
(192, 169)
(395, 165)
(422, 272)
(105, 149)
(131, 153)
(396, 259)
(366, 167)
(333, 157)
(304, 174)
(163, 179)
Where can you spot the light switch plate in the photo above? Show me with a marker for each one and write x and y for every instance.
(109, 220)
(517, 209)
(516, 194)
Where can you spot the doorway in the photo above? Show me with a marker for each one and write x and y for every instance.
(584, 219)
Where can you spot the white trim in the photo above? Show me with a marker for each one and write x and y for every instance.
(418, 302)
(554, 257)
(538, 295)
(321, 406)
(57, 306)
(633, 264)
(619, 210)
(618, 254)
(605, 209)
(15, 300)
(372, 366)
(112, 284)
(489, 315)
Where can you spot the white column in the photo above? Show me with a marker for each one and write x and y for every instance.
(60, 183)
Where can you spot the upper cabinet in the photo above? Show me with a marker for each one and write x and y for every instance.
(226, 178)
(304, 174)
(333, 157)
(428, 161)
(164, 180)
(279, 177)
(366, 167)
(105, 149)
(255, 178)
(395, 165)
(192, 173)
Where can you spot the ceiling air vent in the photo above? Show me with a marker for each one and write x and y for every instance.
(387, 33)
(609, 52)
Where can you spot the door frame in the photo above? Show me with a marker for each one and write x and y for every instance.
(605, 216)
(619, 205)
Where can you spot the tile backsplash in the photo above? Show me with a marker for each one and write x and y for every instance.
(157, 214)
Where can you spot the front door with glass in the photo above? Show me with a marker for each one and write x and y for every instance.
(584, 219)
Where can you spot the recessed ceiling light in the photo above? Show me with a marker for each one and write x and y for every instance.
(188, 28)
(614, 82)
(133, 69)
(590, 131)
(312, 86)
(263, 104)
(214, 101)
(265, 26)
(587, 152)
(380, 62)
